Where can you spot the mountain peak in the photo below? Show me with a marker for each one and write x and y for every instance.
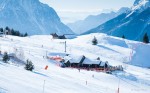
(139, 1)
(31, 16)
(140, 5)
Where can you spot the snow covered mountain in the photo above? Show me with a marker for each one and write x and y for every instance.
(31, 16)
(92, 21)
(133, 24)
(132, 55)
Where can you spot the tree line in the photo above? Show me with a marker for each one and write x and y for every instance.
(9, 31)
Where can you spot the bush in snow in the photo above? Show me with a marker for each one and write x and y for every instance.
(6, 57)
(94, 41)
(29, 65)
(145, 38)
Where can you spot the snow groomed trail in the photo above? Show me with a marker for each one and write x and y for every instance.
(134, 79)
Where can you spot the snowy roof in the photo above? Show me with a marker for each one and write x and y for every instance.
(73, 58)
(103, 63)
(89, 61)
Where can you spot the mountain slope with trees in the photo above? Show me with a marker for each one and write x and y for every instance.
(133, 24)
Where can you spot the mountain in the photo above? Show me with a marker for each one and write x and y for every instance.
(31, 16)
(92, 21)
(133, 24)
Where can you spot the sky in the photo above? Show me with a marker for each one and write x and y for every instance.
(73, 10)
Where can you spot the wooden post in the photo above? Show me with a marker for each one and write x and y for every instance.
(46, 54)
(65, 46)
(43, 86)
(86, 82)
(118, 91)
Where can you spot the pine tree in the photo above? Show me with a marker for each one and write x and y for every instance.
(123, 37)
(94, 41)
(29, 65)
(145, 38)
(17, 33)
(6, 57)
(1, 30)
(7, 28)
(12, 32)
(26, 34)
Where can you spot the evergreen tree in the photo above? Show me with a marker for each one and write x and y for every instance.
(7, 28)
(6, 57)
(94, 41)
(21, 35)
(1, 30)
(29, 65)
(17, 33)
(123, 37)
(12, 32)
(26, 34)
(145, 38)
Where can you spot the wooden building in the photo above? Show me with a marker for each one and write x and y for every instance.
(56, 36)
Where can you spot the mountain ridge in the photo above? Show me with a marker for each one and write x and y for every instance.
(133, 24)
(31, 16)
(92, 21)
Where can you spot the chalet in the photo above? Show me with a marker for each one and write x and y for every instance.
(104, 65)
(88, 63)
(56, 36)
(62, 37)
(73, 61)
(83, 62)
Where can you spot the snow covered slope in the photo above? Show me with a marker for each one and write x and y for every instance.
(133, 24)
(31, 16)
(140, 5)
(135, 79)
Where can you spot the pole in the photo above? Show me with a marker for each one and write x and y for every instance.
(65, 46)
(118, 86)
(43, 86)
(46, 54)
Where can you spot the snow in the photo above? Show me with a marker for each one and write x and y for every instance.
(73, 58)
(141, 58)
(140, 5)
(134, 78)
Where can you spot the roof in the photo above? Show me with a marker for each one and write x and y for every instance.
(103, 63)
(89, 61)
(73, 58)
(70, 36)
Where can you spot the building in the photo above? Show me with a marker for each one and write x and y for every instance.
(73, 60)
(56, 36)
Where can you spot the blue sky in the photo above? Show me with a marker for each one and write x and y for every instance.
(73, 10)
